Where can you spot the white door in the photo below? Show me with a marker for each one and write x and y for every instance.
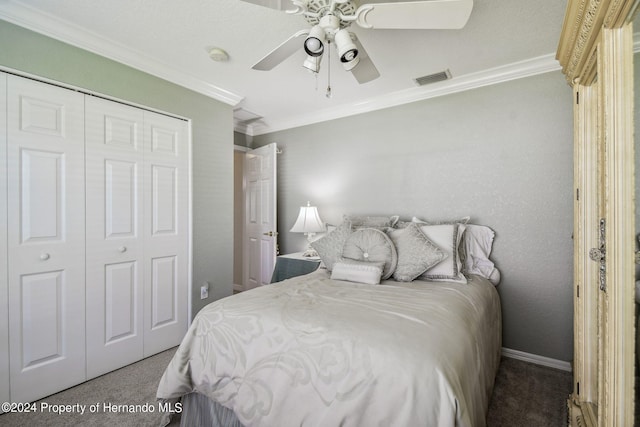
(4, 305)
(114, 163)
(166, 243)
(46, 238)
(261, 237)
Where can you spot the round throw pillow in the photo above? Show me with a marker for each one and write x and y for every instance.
(369, 244)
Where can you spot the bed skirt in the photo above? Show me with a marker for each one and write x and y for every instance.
(199, 410)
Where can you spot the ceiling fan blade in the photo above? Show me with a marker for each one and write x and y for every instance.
(419, 15)
(365, 71)
(282, 52)
(272, 4)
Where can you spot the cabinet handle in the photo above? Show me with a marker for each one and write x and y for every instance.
(122, 249)
(44, 256)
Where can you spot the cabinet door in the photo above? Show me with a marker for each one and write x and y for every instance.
(4, 306)
(45, 238)
(166, 200)
(114, 156)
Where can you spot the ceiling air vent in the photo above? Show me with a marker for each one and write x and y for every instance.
(433, 78)
(241, 115)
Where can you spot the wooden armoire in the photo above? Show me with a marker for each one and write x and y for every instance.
(596, 55)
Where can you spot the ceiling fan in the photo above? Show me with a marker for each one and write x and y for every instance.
(330, 20)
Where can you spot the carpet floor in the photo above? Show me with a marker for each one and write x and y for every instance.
(524, 395)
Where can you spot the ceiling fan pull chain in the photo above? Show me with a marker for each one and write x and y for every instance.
(328, 94)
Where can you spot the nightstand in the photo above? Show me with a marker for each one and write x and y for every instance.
(292, 265)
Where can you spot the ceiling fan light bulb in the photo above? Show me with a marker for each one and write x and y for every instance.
(347, 50)
(349, 55)
(314, 43)
(313, 46)
(348, 66)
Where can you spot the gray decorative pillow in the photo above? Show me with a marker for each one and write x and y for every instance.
(329, 247)
(416, 253)
(379, 222)
(463, 220)
(372, 245)
(447, 237)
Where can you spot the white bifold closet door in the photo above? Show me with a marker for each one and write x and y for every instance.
(137, 228)
(114, 168)
(4, 307)
(46, 223)
(166, 230)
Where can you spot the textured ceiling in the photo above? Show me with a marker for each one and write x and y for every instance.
(173, 35)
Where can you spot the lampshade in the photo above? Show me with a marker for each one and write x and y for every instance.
(308, 220)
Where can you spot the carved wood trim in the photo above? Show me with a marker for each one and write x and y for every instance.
(582, 24)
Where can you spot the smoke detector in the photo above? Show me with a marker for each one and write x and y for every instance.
(218, 54)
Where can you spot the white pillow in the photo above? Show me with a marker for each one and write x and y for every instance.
(476, 248)
(447, 237)
(357, 271)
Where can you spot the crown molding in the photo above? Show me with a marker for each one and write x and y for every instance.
(48, 25)
(517, 70)
(32, 19)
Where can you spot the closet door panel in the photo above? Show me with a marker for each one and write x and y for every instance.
(166, 231)
(4, 307)
(46, 263)
(114, 146)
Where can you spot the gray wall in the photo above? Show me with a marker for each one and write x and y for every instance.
(502, 154)
(212, 133)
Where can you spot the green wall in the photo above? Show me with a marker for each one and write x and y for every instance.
(212, 138)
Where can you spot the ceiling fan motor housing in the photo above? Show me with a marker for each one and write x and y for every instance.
(318, 9)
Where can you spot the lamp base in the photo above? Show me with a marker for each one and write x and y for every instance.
(310, 253)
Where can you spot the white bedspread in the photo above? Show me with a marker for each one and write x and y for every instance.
(311, 351)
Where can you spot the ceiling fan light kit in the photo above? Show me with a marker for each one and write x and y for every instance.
(314, 43)
(312, 63)
(347, 50)
(329, 20)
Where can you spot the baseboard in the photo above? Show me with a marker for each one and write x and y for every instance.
(538, 360)
(238, 288)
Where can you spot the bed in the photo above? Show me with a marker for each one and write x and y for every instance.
(337, 347)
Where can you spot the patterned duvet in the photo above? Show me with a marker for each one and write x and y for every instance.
(311, 351)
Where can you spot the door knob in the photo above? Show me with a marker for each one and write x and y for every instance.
(271, 233)
(44, 256)
(122, 249)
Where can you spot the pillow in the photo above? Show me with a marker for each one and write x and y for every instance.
(379, 222)
(357, 271)
(463, 220)
(475, 250)
(416, 253)
(370, 244)
(329, 247)
(447, 237)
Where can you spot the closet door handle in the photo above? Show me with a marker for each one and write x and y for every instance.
(122, 249)
(44, 256)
